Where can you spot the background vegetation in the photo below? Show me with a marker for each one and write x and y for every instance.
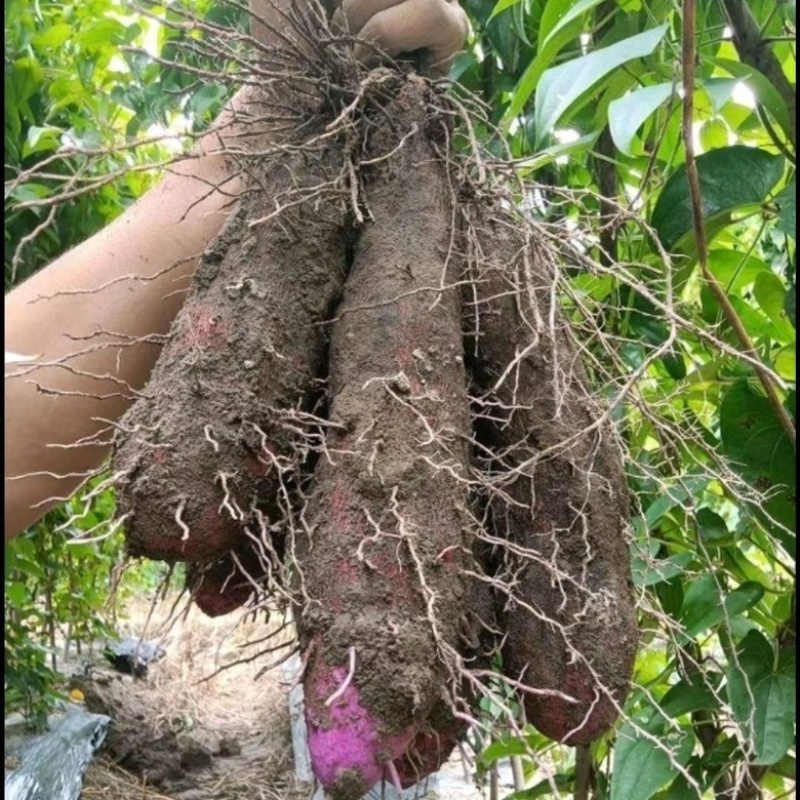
(696, 353)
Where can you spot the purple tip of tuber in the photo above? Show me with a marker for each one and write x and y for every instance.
(344, 738)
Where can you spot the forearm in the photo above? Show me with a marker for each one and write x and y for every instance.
(93, 318)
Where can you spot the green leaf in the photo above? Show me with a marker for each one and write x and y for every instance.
(16, 594)
(734, 269)
(765, 92)
(544, 788)
(762, 696)
(685, 697)
(770, 293)
(503, 748)
(790, 306)
(713, 530)
(651, 571)
(786, 768)
(787, 211)
(556, 29)
(550, 154)
(54, 36)
(753, 437)
(501, 6)
(702, 608)
(40, 139)
(720, 91)
(105, 31)
(558, 14)
(643, 766)
(713, 134)
(627, 114)
(561, 86)
(731, 178)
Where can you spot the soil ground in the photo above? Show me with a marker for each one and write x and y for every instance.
(176, 736)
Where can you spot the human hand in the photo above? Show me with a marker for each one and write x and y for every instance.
(438, 28)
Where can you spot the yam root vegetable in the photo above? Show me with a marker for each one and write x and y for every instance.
(571, 623)
(448, 722)
(224, 585)
(380, 563)
(432, 746)
(207, 449)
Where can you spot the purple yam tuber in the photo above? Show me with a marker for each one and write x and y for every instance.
(571, 617)
(380, 566)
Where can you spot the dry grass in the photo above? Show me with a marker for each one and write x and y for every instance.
(205, 688)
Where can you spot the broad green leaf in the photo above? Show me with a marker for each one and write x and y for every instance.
(685, 697)
(550, 154)
(501, 6)
(762, 696)
(770, 293)
(558, 14)
(643, 766)
(104, 32)
(702, 608)
(503, 748)
(713, 134)
(764, 91)
(720, 91)
(594, 286)
(30, 191)
(651, 571)
(743, 569)
(731, 178)
(758, 325)
(787, 210)
(790, 306)
(560, 29)
(662, 504)
(627, 114)
(545, 788)
(785, 363)
(734, 269)
(54, 36)
(760, 450)
(40, 139)
(561, 86)
(713, 530)
(16, 594)
(786, 767)
(753, 437)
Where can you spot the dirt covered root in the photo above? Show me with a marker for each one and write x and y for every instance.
(556, 489)
(459, 704)
(248, 571)
(214, 443)
(379, 566)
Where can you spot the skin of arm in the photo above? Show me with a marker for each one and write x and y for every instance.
(109, 297)
(145, 260)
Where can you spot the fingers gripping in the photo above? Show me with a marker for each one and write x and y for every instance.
(438, 26)
(353, 15)
(393, 26)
